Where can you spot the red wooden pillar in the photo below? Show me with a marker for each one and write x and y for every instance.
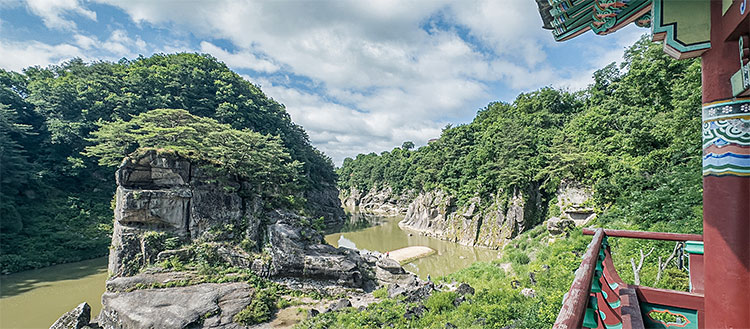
(726, 195)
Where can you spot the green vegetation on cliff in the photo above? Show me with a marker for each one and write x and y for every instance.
(633, 136)
(55, 200)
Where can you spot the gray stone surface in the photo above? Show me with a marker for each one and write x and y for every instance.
(465, 289)
(338, 305)
(380, 201)
(574, 201)
(208, 305)
(435, 214)
(162, 193)
(77, 318)
(557, 225)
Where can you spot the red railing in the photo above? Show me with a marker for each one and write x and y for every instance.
(646, 235)
(585, 299)
(574, 306)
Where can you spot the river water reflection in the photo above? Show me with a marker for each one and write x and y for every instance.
(386, 235)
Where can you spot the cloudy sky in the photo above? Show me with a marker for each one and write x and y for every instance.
(360, 76)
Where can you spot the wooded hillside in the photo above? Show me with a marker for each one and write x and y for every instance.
(55, 196)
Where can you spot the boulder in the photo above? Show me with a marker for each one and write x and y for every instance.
(464, 289)
(412, 292)
(77, 318)
(297, 253)
(208, 305)
(388, 271)
(458, 300)
(415, 312)
(557, 226)
(338, 305)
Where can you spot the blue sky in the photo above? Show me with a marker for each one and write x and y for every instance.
(359, 76)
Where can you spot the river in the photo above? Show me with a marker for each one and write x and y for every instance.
(386, 235)
(36, 298)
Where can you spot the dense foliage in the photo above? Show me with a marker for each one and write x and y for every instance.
(259, 159)
(506, 147)
(633, 136)
(55, 200)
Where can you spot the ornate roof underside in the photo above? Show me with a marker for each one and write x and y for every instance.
(570, 18)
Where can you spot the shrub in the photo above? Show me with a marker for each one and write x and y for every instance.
(440, 301)
(260, 310)
(380, 293)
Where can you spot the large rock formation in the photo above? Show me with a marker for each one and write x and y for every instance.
(208, 305)
(162, 194)
(574, 202)
(78, 318)
(435, 214)
(378, 201)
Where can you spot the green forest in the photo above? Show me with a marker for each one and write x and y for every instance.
(64, 129)
(633, 136)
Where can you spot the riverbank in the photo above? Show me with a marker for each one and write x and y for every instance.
(36, 298)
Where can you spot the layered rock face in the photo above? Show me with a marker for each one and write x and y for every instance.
(435, 214)
(378, 201)
(161, 193)
(574, 202)
(166, 194)
(207, 305)
(323, 201)
(487, 223)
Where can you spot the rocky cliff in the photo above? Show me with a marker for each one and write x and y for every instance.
(490, 222)
(475, 223)
(572, 207)
(189, 248)
(378, 201)
(161, 194)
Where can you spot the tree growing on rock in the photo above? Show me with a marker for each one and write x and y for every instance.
(257, 158)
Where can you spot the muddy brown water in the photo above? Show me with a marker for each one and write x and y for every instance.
(36, 298)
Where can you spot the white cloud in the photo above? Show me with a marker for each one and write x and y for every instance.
(16, 56)
(239, 60)
(121, 44)
(342, 131)
(380, 69)
(53, 12)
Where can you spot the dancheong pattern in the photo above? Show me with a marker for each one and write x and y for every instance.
(726, 138)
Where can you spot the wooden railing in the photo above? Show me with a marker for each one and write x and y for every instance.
(598, 298)
(646, 235)
(574, 305)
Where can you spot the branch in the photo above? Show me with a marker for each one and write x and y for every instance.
(664, 265)
(637, 270)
